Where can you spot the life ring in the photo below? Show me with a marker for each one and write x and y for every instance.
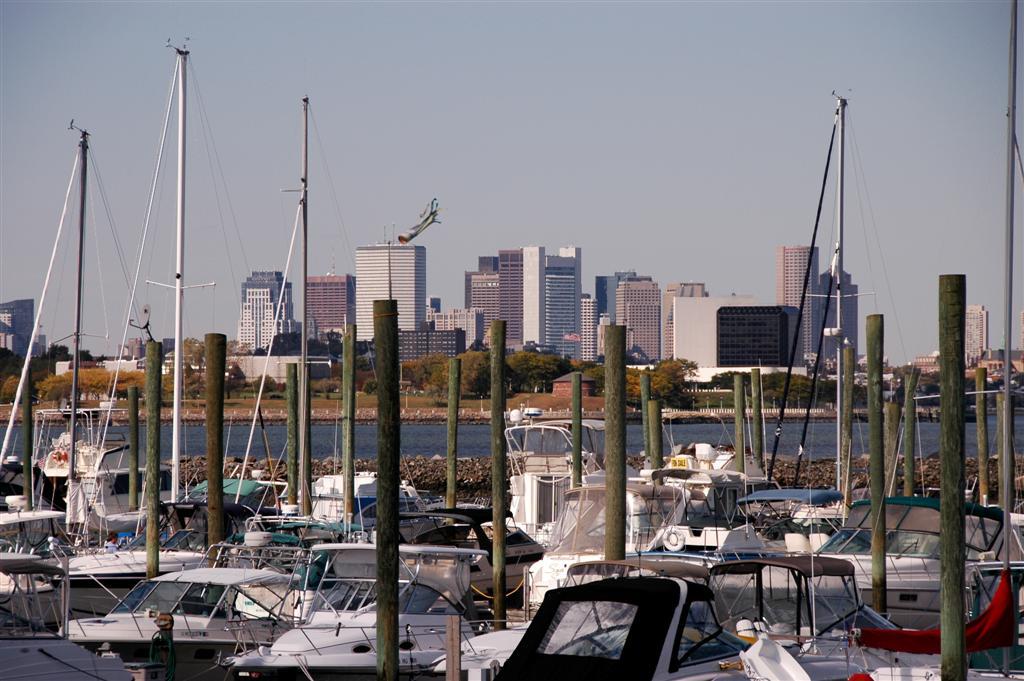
(673, 540)
(60, 456)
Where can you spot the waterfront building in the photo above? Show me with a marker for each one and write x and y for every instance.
(416, 344)
(604, 292)
(976, 334)
(562, 386)
(695, 326)
(638, 308)
(257, 324)
(408, 284)
(790, 271)
(562, 291)
(588, 328)
(690, 289)
(756, 335)
(471, 321)
(332, 303)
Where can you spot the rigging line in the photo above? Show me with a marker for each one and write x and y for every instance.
(812, 396)
(266, 363)
(333, 192)
(130, 304)
(110, 215)
(23, 380)
(858, 163)
(220, 167)
(207, 133)
(798, 337)
(99, 264)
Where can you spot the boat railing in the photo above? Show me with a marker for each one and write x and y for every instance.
(285, 559)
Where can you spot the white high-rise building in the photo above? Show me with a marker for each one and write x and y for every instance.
(681, 289)
(588, 328)
(562, 291)
(256, 324)
(695, 327)
(533, 295)
(408, 274)
(976, 333)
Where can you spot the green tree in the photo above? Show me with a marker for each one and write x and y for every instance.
(476, 373)
(534, 372)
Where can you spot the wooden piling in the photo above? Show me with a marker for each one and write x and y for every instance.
(498, 470)
(849, 369)
(216, 355)
(739, 408)
(952, 548)
(133, 448)
(577, 429)
(452, 468)
(909, 431)
(892, 439)
(981, 427)
(655, 459)
(291, 391)
(27, 442)
(348, 425)
(645, 397)
(874, 326)
(757, 417)
(306, 455)
(385, 336)
(154, 366)
(615, 441)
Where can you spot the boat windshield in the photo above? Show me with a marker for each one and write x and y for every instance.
(910, 543)
(355, 595)
(701, 637)
(201, 599)
(589, 629)
(580, 527)
(551, 439)
(181, 540)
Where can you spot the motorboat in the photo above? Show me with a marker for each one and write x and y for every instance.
(912, 552)
(205, 616)
(337, 639)
(329, 499)
(794, 519)
(30, 650)
(470, 528)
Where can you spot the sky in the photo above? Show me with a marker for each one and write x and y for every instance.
(683, 140)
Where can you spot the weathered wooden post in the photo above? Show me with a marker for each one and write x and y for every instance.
(216, 347)
(654, 457)
(739, 404)
(498, 470)
(454, 390)
(645, 397)
(306, 455)
(133, 448)
(909, 431)
(981, 426)
(154, 365)
(757, 417)
(348, 426)
(26, 447)
(892, 439)
(291, 390)
(846, 423)
(385, 336)
(577, 429)
(615, 441)
(952, 548)
(874, 326)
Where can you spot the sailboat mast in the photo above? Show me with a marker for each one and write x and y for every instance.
(838, 279)
(179, 276)
(76, 337)
(1011, 140)
(304, 447)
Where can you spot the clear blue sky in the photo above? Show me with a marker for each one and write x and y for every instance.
(684, 141)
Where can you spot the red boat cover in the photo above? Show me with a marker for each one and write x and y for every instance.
(994, 628)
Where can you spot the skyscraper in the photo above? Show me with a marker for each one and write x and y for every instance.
(790, 270)
(850, 314)
(689, 289)
(588, 328)
(16, 320)
(332, 302)
(604, 292)
(257, 325)
(408, 284)
(534, 320)
(976, 333)
(471, 321)
(562, 291)
(510, 294)
(638, 308)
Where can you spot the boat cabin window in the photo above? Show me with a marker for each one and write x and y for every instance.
(460, 535)
(702, 638)
(420, 599)
(348, 595)
(155, 596)
(201, 600)
(589, 629)
(897, 543)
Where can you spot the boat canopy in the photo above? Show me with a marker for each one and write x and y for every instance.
(810, 497)
(646, 565)
(808, 566)
(983, 524)
(225, 576)
(27, 564)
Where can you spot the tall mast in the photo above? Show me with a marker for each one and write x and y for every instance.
(179, 276)
(76, 337)
(838, 280)
(304, 447)
(1011, 140)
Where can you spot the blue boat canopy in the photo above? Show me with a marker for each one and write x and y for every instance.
(812, 497)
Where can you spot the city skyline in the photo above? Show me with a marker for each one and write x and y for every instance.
(601, 145)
